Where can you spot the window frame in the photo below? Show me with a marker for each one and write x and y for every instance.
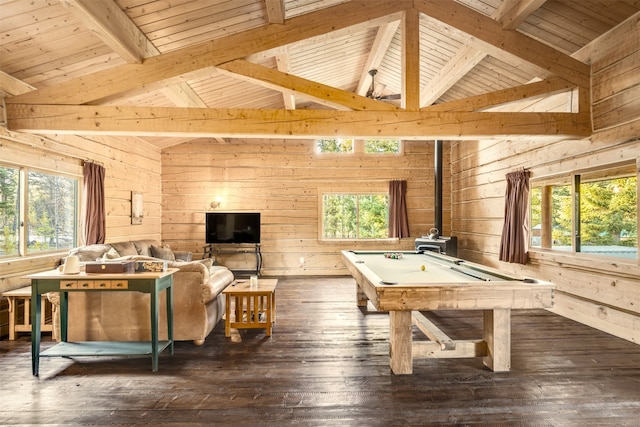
(378, 189)
(574, 180)
(359, 145)
(23, 209)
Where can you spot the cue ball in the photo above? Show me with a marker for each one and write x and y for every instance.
(423, 268)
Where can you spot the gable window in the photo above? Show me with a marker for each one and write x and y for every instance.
(38, 211)
(359, 146)
(592, 212)
(355, 216)
(390, 146)
(337, 145)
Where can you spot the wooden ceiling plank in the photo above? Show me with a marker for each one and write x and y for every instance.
(275, 11)
(491, 37)
(550, 86)
(176, 64)
(237, 123)
(323, 94)
(411, 60)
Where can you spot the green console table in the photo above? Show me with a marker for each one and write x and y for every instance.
(151, 283)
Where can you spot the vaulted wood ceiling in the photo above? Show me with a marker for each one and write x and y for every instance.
(174, 69)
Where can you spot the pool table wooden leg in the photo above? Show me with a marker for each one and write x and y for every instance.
(361, 296)
(400, 342)
(497, 335)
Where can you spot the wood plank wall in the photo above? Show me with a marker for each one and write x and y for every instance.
(600, 292)
(282, 179)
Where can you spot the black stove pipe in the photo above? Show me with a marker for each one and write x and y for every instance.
(438, 186)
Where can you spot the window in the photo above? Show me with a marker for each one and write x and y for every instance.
(382, 146)
(355, 216)
(337, 145)
(9, 204)
(367, 146)
(592, 212)
(48, 213)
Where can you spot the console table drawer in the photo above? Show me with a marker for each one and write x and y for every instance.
(102, 284)
(94, 284)
(68, 284)
(119, 284)
(85, 284)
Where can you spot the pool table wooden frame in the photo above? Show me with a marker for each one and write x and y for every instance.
(404, 301)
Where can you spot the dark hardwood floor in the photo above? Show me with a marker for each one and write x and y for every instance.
(327, 365)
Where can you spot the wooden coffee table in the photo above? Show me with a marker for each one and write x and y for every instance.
(254, 307)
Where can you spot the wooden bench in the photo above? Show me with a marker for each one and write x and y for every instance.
(24, 294)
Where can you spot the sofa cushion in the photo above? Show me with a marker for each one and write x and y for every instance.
(90, 252)
(143, 247)
(125, 248)
(162, 252)
(208, 262)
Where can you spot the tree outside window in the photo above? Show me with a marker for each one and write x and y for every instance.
(355, 216)
(336, 145)
(382, 146)
(9, 218)
(50, 215)
(607, 212)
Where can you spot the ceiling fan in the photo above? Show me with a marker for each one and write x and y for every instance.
(375, 90)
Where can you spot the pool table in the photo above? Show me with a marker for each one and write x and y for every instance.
(407, 283)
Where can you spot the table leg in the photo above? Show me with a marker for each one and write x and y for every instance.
(400, 342)
(273, 307)
(35, 333)
(268, 312)
(64, 315)
(227, 315)
(497, 335)
(154, 331)
(361, 297)
(13, 316)
(169, 298)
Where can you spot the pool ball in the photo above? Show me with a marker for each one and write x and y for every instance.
(423, 268)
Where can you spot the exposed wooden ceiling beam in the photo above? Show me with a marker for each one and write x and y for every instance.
(411, 60)
(175, 65)
(275, 11)
(491, 37)
(323, 94)
(116, 30)
(514, 12)
(469, 56)
(11, 86)
(283, 64)
(203, 122)
(379, 48)
(111, 25)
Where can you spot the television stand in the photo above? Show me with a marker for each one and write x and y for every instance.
(210, 250)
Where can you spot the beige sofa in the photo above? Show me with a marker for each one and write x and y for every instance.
(124, 316)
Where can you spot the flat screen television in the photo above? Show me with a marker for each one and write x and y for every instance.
(232, 227)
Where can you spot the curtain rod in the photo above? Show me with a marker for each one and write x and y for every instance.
(94, 161)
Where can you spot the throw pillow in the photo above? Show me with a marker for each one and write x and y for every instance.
(111, 254)
(162, 252)
(125, 248)
(208, 262)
